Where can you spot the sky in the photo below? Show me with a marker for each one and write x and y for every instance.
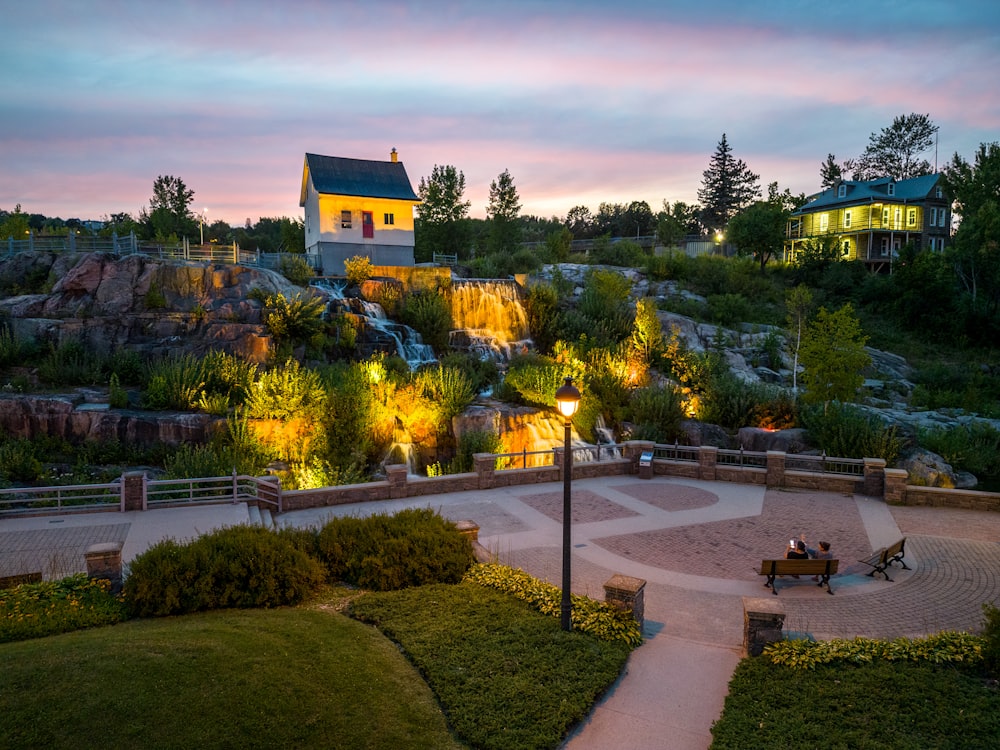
(583, 102)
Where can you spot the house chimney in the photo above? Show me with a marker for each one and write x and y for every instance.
(393, 155)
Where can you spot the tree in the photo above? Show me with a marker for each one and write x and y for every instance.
(728, 186)
(441, 215)
(15, 225)
(759, 230)
(580, 222)
(676, 221)
(798, 301)
(895, 151)
(833, 356)
(830, 172)
(502, 212)
(169, 208)
(975, 249)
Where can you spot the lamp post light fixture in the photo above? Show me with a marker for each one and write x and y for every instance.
(567, 401)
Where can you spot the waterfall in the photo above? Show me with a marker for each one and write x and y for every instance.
(377, 328)
(489, 319)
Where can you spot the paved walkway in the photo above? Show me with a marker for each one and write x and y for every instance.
(697, 544)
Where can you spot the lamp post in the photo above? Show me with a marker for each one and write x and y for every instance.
(718, 242)
(201, 224)
(567, 400)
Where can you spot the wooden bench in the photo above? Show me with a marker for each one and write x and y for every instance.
(880, 561)
(821, 568)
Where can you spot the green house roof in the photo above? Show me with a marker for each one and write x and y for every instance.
(871, 191)
(336, 175)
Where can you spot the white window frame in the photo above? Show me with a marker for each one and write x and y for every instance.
(847, 219)
(346, 219)
(824, 222)
(884, 249)
(842, 190)
(897, 219)
(911, 217)
(885, 218)
(933, 219)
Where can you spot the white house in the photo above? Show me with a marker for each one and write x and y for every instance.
(357, 207)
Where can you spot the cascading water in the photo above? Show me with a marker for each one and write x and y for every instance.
(489, 319)
(382, 331)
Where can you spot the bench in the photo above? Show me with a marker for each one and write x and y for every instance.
(821, 568)
(883, 558)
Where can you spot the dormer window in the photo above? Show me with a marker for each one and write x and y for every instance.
(842, 190)
(938, 192)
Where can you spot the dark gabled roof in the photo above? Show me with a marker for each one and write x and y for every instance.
(871, 191)
(335, 175)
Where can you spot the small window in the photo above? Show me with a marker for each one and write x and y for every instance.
(847, 248)
(824, 222)
(911, 217)
(842, 190)
(942, 217)
(892, 188)
(938, 192)
(847, 219)
(897, 218)
(885, 217)
(884, 250)
(390, 219)
(345, 219)
(933, 219)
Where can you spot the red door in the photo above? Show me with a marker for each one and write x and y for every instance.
(367, 225)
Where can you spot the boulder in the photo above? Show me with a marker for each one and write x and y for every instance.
(928, 469)
(786, 441)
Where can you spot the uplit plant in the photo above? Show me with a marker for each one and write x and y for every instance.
(358, 269)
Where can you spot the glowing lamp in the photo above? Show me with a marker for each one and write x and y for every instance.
(567, 399)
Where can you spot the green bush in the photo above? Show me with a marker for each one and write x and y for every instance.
(533, 379)
(733, 403)
(174, 382)
(447, 387)
(973, 447)
(14, 350)
(228, 375)
(358, 269)
(382, 552)
(71, 363)
(296, 321)
(286, 391)
(947, 647)
(117, 396)
(846, 431)
(483, 374)
(729, 310)
(239, 566)
(35, 610)
(19, 461)
(296, 269)
(429, 314)
(595, 618)
(657, 414)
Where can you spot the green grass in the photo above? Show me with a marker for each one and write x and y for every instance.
(283, 678)
(507, 677)
(881, 705)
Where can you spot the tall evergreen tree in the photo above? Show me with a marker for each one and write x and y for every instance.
(170, 208)
(728, 186)
(442, 214)
(502, 212)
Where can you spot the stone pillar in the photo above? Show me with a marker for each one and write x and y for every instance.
(895, 486)
(763, 619)
(628, 595)
(135, 490)
(105, 561)
(485, 466)
(874, 485)
(708, 455)
(396, 475)
(775, 469)
(470, 530)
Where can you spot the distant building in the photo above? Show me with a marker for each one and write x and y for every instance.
(871, 220)
(357, 207)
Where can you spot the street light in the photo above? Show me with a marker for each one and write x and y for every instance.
(201, 224)
(567, 400)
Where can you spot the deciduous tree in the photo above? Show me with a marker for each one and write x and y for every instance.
(759, 230)
(896, 151)
(170, 208)
(833, 356)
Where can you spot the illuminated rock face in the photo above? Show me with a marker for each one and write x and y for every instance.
(489, 318)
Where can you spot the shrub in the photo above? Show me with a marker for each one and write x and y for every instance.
(70, 363)
(732, 403)
(286, 391)
(14, 350)
(294, 321)
(358, 270)
(449, 388)
(729, 310)
(974, 447)
(991, 639)
(598, 619)
(657, 414)
(482, 373)
(296, 269)
(19, 462)
(534, 379)
(429, 314)
(239, 566)
(35, 610)
(846, 431)
(175, 382)
(117, 396)
(382, 552)
(947, 647)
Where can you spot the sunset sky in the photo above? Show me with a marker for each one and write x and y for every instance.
(582, 101)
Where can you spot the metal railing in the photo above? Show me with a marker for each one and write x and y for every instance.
(523, 460)
(212, 490)
(753, 459)
(76, 498)
(676, 452)
(854, 467)
(443, 259)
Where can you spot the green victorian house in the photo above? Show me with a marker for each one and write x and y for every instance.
(871, 220)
